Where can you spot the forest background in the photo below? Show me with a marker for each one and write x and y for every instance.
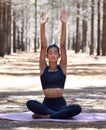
(19, 25)
(19, 58)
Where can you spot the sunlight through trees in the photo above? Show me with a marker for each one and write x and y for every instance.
(19, 25)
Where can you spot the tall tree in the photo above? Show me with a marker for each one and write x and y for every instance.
(35, 37)
(14, 31)
(8, 45)
(104, 30)
(98, 30)
(77, 46)
(1, 30)
(84, 26)
(4, 29)
(92, 28)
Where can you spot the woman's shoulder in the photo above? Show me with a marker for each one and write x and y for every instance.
(61, 69)
(45, 70)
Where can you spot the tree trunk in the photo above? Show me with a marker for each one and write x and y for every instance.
(8, 48)
(2, 53)
(18, 39)
(14, 32)
(104, 30)
(35, 39)
(3, 31)
(84, 37)
(92, 29)
(98, 30)
(77, 30)
(52, 22)
(22, 36)
(84, 29)
(68, 40)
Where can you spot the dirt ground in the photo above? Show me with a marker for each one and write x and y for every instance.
(85, 85)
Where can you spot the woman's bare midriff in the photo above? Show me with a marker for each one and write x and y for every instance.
(53, 92)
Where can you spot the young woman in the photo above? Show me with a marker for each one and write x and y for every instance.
(53, 76)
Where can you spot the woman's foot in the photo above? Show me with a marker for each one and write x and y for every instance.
(40, 116)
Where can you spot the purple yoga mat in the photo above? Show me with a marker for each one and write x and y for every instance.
(27, 116)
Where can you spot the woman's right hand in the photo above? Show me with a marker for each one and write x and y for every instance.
(43, 18)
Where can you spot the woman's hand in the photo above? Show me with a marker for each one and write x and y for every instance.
(43, 18)
(64, 16)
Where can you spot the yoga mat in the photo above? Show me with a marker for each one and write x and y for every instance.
(27, 116)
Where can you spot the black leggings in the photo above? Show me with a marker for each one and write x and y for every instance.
(55, 107)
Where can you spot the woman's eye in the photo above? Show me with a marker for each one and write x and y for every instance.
(50, 53)
(56, 52)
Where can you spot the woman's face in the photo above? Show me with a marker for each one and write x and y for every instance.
(53, 54)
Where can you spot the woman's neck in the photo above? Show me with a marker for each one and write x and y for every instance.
(52, 66)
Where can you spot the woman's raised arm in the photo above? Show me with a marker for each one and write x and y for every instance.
(42, 62)
(63, 62)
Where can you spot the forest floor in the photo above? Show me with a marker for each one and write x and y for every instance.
(85, 85)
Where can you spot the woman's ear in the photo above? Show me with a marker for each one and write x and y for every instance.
(46, 56)
(59, 55)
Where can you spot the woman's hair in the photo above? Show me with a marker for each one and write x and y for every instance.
(53, 45)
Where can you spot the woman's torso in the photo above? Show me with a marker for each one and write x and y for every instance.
(53, 92)
(53, 82)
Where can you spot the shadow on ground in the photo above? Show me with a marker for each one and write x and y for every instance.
(91, 100)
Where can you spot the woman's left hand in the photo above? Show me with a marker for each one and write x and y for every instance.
(64, 16)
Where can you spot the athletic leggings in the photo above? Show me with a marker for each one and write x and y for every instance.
(55, 107)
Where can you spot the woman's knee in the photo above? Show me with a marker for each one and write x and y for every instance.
(30, 103)
(76, 108)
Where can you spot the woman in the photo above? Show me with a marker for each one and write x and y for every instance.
(53, 77)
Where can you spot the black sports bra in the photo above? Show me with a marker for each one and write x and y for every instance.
(53, 79)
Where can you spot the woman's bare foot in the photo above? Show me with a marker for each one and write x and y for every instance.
(40, 116)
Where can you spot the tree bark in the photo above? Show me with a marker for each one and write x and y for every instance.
(35, 39)
(77, 30)
(92, 29)
(104, 30)
(8, 47)
(14, 32)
